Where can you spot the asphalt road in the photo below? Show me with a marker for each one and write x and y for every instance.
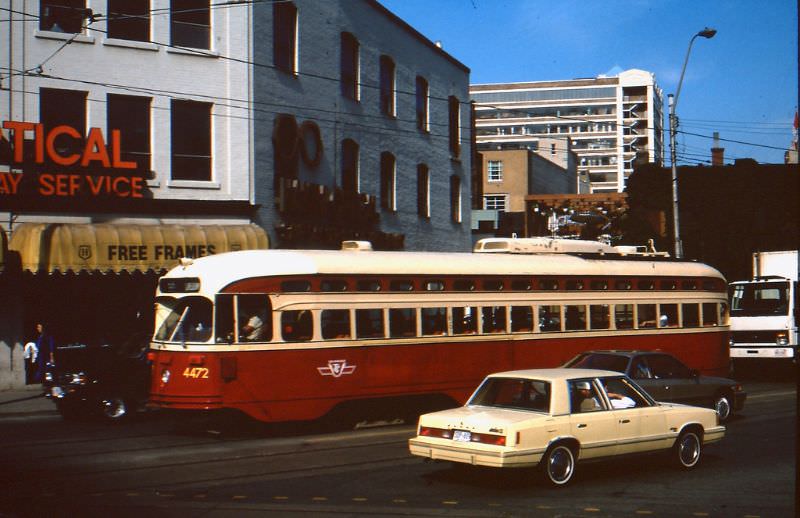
(153, 467)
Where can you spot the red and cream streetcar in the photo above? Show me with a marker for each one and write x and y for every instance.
(285, 335)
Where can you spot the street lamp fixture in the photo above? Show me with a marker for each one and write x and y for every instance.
(673, 130)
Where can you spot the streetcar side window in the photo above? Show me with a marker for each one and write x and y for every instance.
(255, 318)
(369, 323)
(521, 319)
(574, 318)
(646, 315)
(335, 324)
(402, 322)
(710, 314)
(434, 321)
(465, 321)
(623, 316)
(599, 317)
(494, 319)
(224, 323)
(691, 315)
(297, 326)
(549, 319)
(669, 315)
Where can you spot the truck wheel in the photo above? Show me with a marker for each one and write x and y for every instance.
(114, 408)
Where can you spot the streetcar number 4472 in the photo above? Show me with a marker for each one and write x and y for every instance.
(195, 372)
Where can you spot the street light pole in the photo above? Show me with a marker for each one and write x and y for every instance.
(673, 131)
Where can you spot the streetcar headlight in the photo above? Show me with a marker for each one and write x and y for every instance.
(165, 376)
(782, 338)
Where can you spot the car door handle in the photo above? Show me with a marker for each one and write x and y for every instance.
(582, 425)
(624, 421)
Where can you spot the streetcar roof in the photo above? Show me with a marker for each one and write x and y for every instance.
(219, 270)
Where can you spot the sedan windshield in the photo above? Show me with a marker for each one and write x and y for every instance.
(608, 362)
(183, 320)
(523, 394)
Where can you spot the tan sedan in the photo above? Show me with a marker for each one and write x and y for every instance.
(552, 418)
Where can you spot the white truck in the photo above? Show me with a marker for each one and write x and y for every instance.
(764, 311)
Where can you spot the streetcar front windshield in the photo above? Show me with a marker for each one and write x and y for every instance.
(187, 319)
(760, 299)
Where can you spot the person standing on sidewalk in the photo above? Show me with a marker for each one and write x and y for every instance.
(47, 351)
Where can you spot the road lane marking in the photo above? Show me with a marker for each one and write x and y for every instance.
(319, 498)
(450, 502)
(280, 498)
(399, 501)
(359, 499)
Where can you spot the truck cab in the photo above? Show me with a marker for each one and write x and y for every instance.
(764, 312)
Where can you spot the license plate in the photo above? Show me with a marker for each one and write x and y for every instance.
(462, 436)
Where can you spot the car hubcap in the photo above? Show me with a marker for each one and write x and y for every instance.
(114, 408)
(689, 450)
(560, 465)
(723, 408)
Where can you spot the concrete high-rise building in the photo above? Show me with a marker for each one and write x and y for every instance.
(611, 121)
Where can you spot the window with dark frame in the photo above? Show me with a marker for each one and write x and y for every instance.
(59, 107)
(423, 191)
(422, 104)
(350, 67)
(454, 125)
(62, 15)
(455, 199)
(191, 140)
(129, 20)
(387, 181)
(284, 33)
(386, 72)
(131, 116)
(190, 23)
(350, 165)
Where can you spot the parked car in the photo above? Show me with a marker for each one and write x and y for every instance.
(667, 379)
(553, 418)
(107, 381)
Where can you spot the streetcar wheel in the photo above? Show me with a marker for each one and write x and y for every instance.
(723, 407)
(558, 465)
(687, 449)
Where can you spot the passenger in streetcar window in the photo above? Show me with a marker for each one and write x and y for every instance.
(256, 327)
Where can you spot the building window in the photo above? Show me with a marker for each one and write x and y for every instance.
(495, 202)
(191, 140)
(131, 116)
(455, 199)
(422, 104)
(494, 171)
(64, 108)
(129, 20)
(350, 166)
(454, 125)
(350, 68)
(284, 31)
(190, 23)
(62, 15)
(423, 191)
(388, 181)
(387, 86)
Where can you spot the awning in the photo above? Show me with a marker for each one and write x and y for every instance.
(107, 247)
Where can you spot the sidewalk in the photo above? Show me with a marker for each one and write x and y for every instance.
(27, 401)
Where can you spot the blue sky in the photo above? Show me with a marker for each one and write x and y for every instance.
(742, 83)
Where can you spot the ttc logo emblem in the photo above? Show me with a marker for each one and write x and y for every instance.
(336, 368)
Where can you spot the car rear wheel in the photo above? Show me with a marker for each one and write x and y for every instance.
(687, 450)
(114, 408)
(558, 465)
(723, 407)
